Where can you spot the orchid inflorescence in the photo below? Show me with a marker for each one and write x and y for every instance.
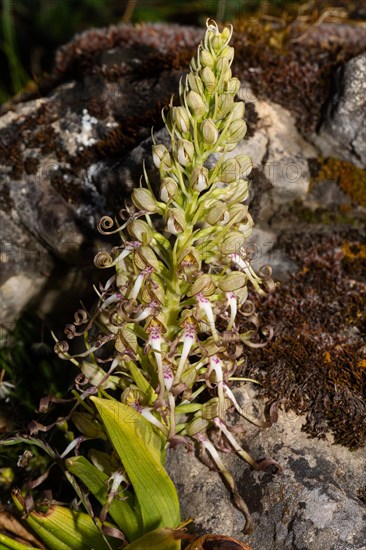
(166, 330)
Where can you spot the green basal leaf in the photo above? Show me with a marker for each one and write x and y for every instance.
(64, 529)
(6, 543)
(159, 539)
(125, 516)
(139, 448)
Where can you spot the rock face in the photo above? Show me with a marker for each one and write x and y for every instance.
(343, 133)
(315, 503)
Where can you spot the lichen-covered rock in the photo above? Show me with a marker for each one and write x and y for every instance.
(343, 133)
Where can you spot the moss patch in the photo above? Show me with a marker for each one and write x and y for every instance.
(291, 59)
(351, 179)
(316, 363)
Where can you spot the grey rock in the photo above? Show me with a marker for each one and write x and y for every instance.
(25, 268)
(280, 156)
(313, 504)
(343, 133)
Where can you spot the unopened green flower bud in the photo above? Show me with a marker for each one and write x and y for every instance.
(143, 199)
(225, 104)
(233, 86)
(180, 118)
(140, 231)
(229, 171)
(206, 58)
(199, 178)
(238, 110)
(193, 64)
(185, 152)
(126, 340)
(196, 103)
(209, 80)
(245, 163)
(240, 193)
(232, 243)
(176, 221)
(228, 53)
(223, 69)
(153, 291)
(217, 214)
(226, 34)
(211, 409)
(217, 43)
(168, 189)
(95, 376)
(236, 131)
(88, 425)
(233, 281)
(195, 83)
(209, 132)
(161, 157)
(145, 257)
(203, 284)
(197, 425)
(237, 212)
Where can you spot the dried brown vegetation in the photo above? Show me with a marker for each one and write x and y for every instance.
(316, 363)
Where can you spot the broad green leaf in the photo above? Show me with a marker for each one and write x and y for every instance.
(63, 529)
(142, 427)
(159, 539)
(96, 481)
(6, 543)
(131, 435)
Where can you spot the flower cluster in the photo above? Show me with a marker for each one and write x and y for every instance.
(165, 330)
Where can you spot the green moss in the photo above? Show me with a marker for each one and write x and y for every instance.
(324, 216)
(350, 178)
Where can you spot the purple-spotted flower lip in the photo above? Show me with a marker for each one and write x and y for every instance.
(168, 375)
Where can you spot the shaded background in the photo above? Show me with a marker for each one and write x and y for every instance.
(31, 30)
